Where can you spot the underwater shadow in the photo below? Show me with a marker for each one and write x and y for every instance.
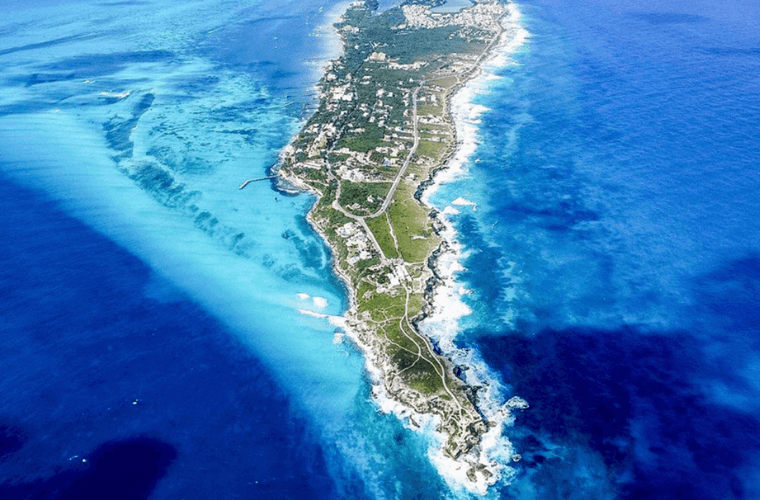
(119, 470)
(632, 398)
(12, 438)
(668, 413)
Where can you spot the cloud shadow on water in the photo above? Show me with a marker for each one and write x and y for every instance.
(121, 470)
(12, 438)
(643, 401)
(633, 399)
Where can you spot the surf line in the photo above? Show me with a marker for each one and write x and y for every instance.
(248, 181)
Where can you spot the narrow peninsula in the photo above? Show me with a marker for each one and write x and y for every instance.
(382, 128)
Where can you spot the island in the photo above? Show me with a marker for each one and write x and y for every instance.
(382, 128)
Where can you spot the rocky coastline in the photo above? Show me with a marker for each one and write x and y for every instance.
(449, 406)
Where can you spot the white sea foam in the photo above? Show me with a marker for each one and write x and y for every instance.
(463, 202)
(331, 43)
(466, 112)
(319, 302)
(116, 95)
(443, 325)
(333, 320)
(65, 155)
(313, 314)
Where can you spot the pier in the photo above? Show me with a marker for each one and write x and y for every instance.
(246, 182)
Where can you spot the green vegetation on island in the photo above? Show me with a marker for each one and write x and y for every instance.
(382, 127)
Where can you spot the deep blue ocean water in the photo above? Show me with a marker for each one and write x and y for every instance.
(153, 315)
(138, 387)
(149, 311)
(617, 183)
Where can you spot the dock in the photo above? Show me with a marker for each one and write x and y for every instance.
(246, 182)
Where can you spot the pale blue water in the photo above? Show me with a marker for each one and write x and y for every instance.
(452, 6)
(149, 308)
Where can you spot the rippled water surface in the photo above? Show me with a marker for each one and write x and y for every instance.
(616, 187)
(149, 310)
(152, 311)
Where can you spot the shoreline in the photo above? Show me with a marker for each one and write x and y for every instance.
(331, 44)
(332, 48)
(453, 471)
(445, 262)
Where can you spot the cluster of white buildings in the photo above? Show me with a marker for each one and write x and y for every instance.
(356, 240)
(481, 15)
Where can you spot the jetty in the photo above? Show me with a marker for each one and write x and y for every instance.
(248, 181)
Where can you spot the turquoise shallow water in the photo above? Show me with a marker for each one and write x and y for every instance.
(151, 309)
(139, 121)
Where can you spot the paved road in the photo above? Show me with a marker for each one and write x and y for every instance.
(389, 198)
(336, 205)
(400, 175)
